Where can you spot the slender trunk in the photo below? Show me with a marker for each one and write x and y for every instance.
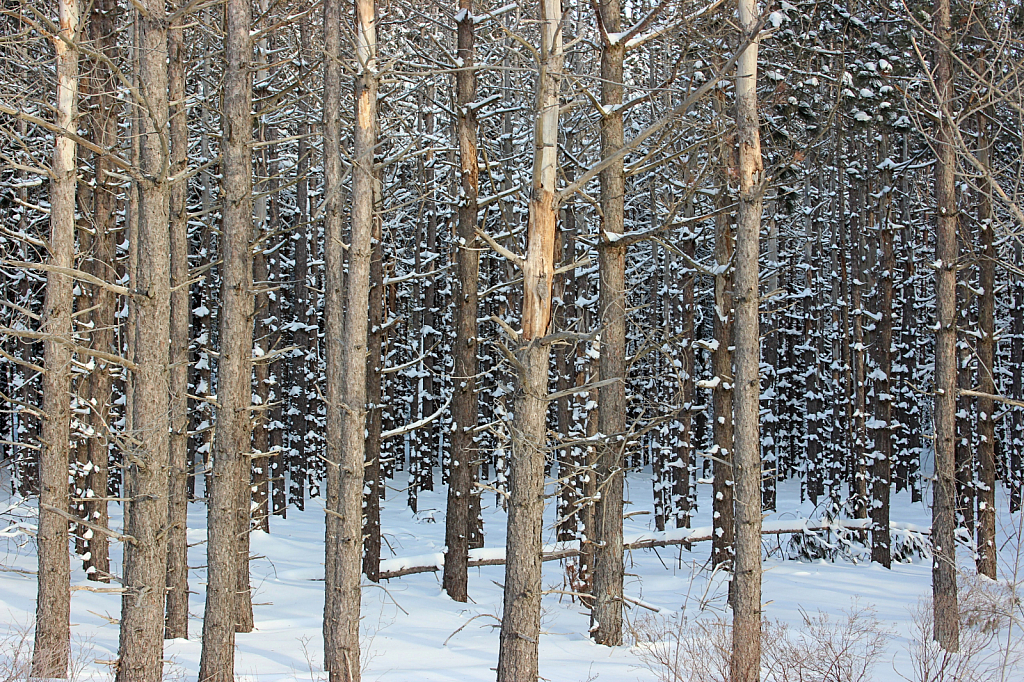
(347, 373)
(881, 471)
(300, 298)
(260, 467)
(606, 610)
(146, 483)
(53, 604)
(102, 265)
(722, 373)
(746, 603)
(458, 523)
(520, 623)
(986, 561)
(176, 618)
(946, 626)
(227, 594)
(334, 280)
(373, 484)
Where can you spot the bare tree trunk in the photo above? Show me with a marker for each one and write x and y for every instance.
(458, 523)
(228, 516)
(986, 561)
(103, 125)
(746, 604)
(520, 623)
(334, 280)
(721, 369)
(53, 603)
(300, 298)
(176, 618)
(881, 470)
(946, 626)
(373, 484)
(145, 561)
(606, 609)
(347, 378)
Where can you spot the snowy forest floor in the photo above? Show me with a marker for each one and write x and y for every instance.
(413, 631)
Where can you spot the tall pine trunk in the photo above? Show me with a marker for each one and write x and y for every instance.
(176, 618)
(746, 603)
(346, 354)
(946, 626)
(458, 521)
(53, 603)
(986, 561)
(520, 623)
(606, 610)
(146, 481)
(228, 513)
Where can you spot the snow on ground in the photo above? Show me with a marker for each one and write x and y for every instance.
(412, 631)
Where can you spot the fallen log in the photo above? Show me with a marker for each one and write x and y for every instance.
(495, 556)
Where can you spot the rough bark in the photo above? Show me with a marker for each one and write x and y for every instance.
(146, 483)
(176, 617)
(746, 603)
(881, 471)
(946, 625)
(334, 279)
(722, 373)
(986, 561)
(458, 523)
(373, 484)
(227, 591)
(104, 118)
(53, 604)
(606, 609)
(520, 623)
(347, 395)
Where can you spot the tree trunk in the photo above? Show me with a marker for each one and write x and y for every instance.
(334, 280)
(986, 561)
(146, 484)
(373, 484)
(53, 604)
(946, 626)
(520, 623)
(746, 630)
(103, 125)
(227, 591)
(721, 370)
(606, 609)
(176, 618)
(881, 471)
(346, 355)
(458, 523)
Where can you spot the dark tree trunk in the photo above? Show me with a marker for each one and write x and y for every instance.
(986, 561)
(458, 523)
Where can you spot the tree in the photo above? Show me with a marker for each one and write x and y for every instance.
(606, 612)
(145, 553)
(228, 512)
(53, 600)
(946, 627)
(464, 404)
(176, 622)
(346, 379)
(520, 623)
(745, 663)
